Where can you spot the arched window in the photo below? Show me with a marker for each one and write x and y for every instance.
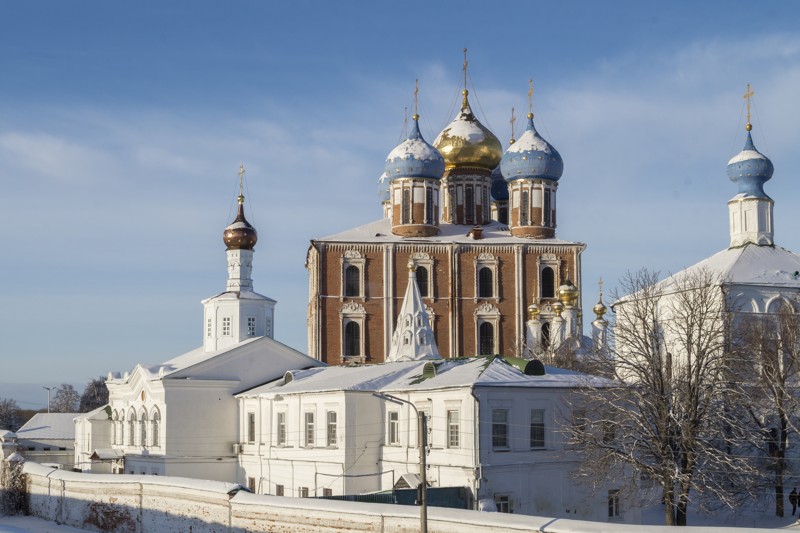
(548, 282)
(406, 206)
(469, 205)
(131, 428)
(485, 283)
(546, 335)
(502, 215)
(121, 432)
(422, 281)
(524, 208)
(143, 429)
(352, 339)
(156, 436)
(352, 283)
(486, 339)
(429, 205)
(115, 428)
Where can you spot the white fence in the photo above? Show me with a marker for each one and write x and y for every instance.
(134, 504)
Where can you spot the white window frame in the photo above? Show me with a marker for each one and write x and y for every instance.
(353, 312)
(251, 326)
(422, 259)
(155, 437)
(507, 431)
(393, 428)
(309, 429)
(356, 259)
(250, 436)
(538, 424)
(453, 428)
(331, 423)
(280, 428)
(487, 260)
(614, 504)
(487, 312)
(226, 326)
(503, 503)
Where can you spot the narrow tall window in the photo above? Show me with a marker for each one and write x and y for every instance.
(485, 283)
(613, 503)
(429, 206)
(500, 429)
(280, 430)
(394, 428)
(537, 428)
(156, 436)
(548, 282)
(115, 429)
(143, 430)
(251, 326)
(502, 215)
(251, 428)
(486, 215)
(226, 326)
(469, 205)
(524, 209)
(452, 207)
(486, 339)
(268, 328)
(453, 428)
(406, 206)
(547, 218)
(546, 335)
(251, 484)
(422, 281)
(352, 339)
(278, 490)
(352, 281)
(131, 428)
(208, 328)
(309, 430)
(331, 433)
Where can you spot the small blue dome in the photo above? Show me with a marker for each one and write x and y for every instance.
(414, 158)
(531, 157)
(499, 185)
(750, 169)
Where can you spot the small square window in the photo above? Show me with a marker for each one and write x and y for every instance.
(503, 504)
(278, 490)
(327, 493)
(303, 492)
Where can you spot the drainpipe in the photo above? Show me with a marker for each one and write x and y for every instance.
(478, 467)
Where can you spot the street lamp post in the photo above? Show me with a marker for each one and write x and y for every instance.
(422, 433)
(48, 396)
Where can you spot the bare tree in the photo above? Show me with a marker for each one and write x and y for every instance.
(95, 395)
(9, 415)
(767, 347)
(66, 399)
(665, 418)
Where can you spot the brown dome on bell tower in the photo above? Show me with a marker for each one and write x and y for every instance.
(240, 235)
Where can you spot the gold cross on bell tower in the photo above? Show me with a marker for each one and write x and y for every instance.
(512, 121)
(747, 96)
(241, 184)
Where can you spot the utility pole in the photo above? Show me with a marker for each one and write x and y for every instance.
(48, 396)
(422, 442)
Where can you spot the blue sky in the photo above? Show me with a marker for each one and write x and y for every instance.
(122, 126)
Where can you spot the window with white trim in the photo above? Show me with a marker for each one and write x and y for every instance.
(613, 503)
(209, 329)
(502, 502)
(453, 428)
(537, 429)
(155, 438)
(429, 215)
(352, 338)
(251, 326)
(486, 344)
(131, 428)
(226, 326)
(331, 428)
(251, 428)
(422, 281)
(394, 428)
(279, 490)
(143, 429)
(280, 430)
(500, 430)
(303, 492)
(309, 429)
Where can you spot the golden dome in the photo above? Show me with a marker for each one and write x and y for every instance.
(558, 307)
(533, 311)
(465, 142)
(568, 294)
(599, 309)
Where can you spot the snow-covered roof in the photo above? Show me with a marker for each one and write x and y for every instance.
(7, 435)
(750, 264)
(52, 426)
(101, 413)
(380, 231)
(488, 371)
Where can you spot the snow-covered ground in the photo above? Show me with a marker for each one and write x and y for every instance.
(31, 524)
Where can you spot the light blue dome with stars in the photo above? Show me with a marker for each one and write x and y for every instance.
(750, 169)
(531, 157)
(383, 188)
(414, 158)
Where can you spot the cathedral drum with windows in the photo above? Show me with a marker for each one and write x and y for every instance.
(478, 225)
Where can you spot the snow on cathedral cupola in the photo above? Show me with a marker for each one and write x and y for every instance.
(531, 157)
(414, 158)
(413, 337)
(750, 211)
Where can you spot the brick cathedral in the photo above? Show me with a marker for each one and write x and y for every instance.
(479, 225)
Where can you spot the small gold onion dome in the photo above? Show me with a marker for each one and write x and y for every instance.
(568, 293)
(533, 311)
(240, 235)
(465, 142)
(558, 307)
(599, 309)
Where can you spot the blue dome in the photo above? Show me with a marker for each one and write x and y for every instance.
(499, 185)
(750, 169)
(414, 158)
(531, 157)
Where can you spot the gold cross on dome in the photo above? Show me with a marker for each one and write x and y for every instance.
(530, 98)
(601, 287)
(747, 96)
(512, 121)
(465, 68)
(416, 99)
(241, 182)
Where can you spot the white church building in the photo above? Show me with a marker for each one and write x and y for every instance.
(180, 417)
(494, 429)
